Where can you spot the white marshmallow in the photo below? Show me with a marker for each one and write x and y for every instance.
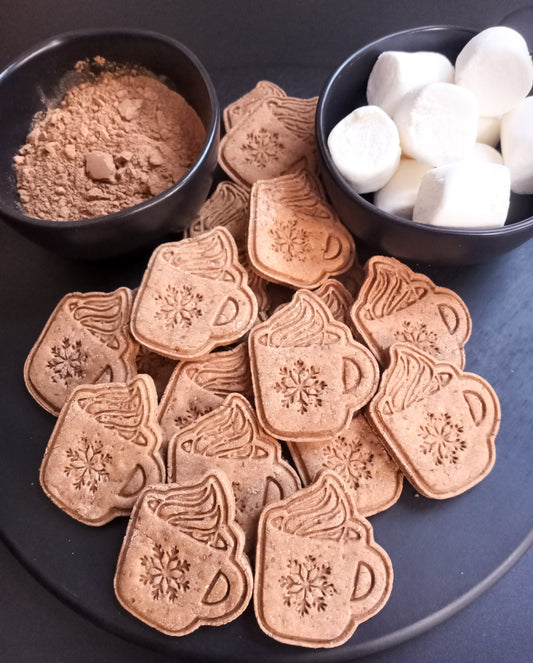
(437, 123)
(365, 147)
(396, 73)
(496, 66)
(517, 145)
(488, 130)
(399, 194)
(465, 194)
(485, 153)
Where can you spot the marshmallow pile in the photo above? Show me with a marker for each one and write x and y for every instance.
(425, 144)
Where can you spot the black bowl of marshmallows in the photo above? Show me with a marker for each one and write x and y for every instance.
(425, 141)
(109, 141)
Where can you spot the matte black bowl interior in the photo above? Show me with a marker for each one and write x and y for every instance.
(36, 76)
(346, 90)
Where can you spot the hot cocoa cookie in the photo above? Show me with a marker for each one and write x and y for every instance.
(294, 236)
(337, 298)
(229, 206)
(396, 304)
(86, 340)
(197, 387)
(273, 138)
(182, 563)
(194, 297)
(237, 109)
(104, 450)
(229, 438)
(308, 373)
(437, 422)
(359, 457)
(318, 572)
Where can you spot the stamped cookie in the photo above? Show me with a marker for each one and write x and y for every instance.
(229, 206)
(396, 304)
(438, 423)
(337, 298)
(194, 297)
(182, 563)
(274, 137)
(104, 450)
(237, 109)
(309, 375)
(85, 341)
(230, 439)
(319, 572)
(359, 457)
(294, 236)
(199, 386)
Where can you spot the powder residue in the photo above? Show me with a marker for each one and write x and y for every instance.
(113, 142)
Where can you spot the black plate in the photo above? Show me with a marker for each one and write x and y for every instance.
(444, 553)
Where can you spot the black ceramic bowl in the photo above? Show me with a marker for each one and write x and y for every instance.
(404, 239)
(37, 75)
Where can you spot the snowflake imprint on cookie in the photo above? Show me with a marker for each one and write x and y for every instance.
(290, 240)
(179, 306)
(68, 360)
(261, 147)
(350, 460)
(307, 586)
(165, 573)
(442, 439)
(87, 464)
(418, 334)
(300, 386)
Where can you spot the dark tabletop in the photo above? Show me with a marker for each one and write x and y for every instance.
(297, 45)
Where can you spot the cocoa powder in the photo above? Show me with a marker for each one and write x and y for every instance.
(113, 142)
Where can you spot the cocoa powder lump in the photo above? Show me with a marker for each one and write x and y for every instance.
(114, 141)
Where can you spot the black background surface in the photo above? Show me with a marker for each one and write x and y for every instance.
(297, 45)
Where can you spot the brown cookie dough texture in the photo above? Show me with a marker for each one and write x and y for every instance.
(318, 534)
(182, 563)
(295, 237)
(396, 304)
(274, 138)
(104, 450)
(194, 297)
(86, 340)
(309, 375)
(437, 422)
(229, 438)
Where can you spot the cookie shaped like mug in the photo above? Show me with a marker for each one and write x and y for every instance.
(319, 572)
(437, 422)
(194, 297)
(104, 450)
(182, 563)
(397, 305)
(229, 438)
(309, 375)
(86, 340)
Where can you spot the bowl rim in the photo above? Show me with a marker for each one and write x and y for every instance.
(212, 130)
(325, 94)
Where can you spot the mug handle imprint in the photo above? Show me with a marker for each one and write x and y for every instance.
(455, 316)
(225, 593)
(231, 311)
(372, 583)
(359, 377)
(146, 471)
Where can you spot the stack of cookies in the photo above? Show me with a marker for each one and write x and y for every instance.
(257, 398)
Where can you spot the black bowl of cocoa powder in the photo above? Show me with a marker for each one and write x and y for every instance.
(109, 141)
